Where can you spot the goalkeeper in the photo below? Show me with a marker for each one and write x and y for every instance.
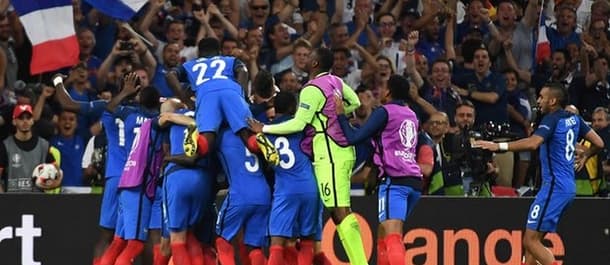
(333, 159)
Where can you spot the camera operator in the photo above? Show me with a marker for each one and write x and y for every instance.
(461, 162)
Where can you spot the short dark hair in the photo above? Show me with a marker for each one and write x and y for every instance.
(565, 53)
(149, 98)
(342, 50)
(325, 58)
(559, 92)
(263, 84)
(208, 46)
(399, 87)
(464, 103)
(469, 46)
(285, 103)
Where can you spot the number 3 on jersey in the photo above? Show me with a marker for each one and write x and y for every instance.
(283, 147)
(218, 66)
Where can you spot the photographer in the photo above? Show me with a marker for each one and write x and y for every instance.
(460, 161)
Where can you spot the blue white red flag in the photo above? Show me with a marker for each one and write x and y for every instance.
(49, 25)
(119, 9)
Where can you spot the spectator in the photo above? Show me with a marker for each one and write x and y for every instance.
(565, 33)
(596, 90)
(11, 38)
(288, 82)
(72, 148)
(22, 152)
(171, 59)
(520, 115)
(174, 33)
(473, 20)
(86, 44)
(591, 180)
(389, 46)
(486, 89)
(300, 56)
(228, 45)
(519, 32)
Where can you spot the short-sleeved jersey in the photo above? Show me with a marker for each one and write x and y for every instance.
(294, 174)
(215, 73)
(560, 131)
(244, 171)
(115, 135)
(132, 119)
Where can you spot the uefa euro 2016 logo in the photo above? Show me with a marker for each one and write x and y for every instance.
(408, 134)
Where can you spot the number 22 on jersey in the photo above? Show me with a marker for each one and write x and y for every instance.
(204, 70)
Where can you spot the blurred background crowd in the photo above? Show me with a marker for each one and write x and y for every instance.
(476, 67)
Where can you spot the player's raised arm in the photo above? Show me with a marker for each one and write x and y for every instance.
(62, 96)
(130, 87)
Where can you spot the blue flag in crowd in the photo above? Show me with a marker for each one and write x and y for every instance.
(119, 9)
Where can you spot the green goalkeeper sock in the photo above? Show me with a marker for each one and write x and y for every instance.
(349, 232)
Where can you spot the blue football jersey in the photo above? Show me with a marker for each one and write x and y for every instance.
(247, 184)
(132, 118)
(215, 73)
(115, 135)
(294, 174)
(560, 130)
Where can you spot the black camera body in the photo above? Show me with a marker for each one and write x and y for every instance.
(126, 46)
(474, 160)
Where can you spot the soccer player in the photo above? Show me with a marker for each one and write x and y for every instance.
(134, 218)
(333, 158)
(393, 130)
(296, 205)
(219, 83)
(186, 185)
(248, 201)
(114, 162)
(556, 136)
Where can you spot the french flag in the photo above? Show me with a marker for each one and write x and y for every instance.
(119, 9)
(50, 26)
(543, 45)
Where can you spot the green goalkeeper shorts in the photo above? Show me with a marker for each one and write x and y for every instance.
(334, 182)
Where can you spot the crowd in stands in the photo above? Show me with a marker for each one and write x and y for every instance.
(470, 62)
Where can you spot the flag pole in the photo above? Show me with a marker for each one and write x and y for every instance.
(132, 31)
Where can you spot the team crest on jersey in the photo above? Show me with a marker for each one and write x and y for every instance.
(408, 133)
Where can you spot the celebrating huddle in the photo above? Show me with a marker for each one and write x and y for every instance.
(282, 169)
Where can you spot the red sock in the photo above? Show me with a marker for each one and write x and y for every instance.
(257, 257)
(158, 258)
(252, 145)
(202, 145)
(382, 254)
(112, 252)
(276, 255)
(306, 253)
(96, 261)
(180, 254)
(131, 251)
(226, 254)
(291, 255)
(396, 249)
(209, 254)
(194, 248)
(243, 253)
(321, 259)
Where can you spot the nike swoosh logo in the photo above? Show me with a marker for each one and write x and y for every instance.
(531, 222)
